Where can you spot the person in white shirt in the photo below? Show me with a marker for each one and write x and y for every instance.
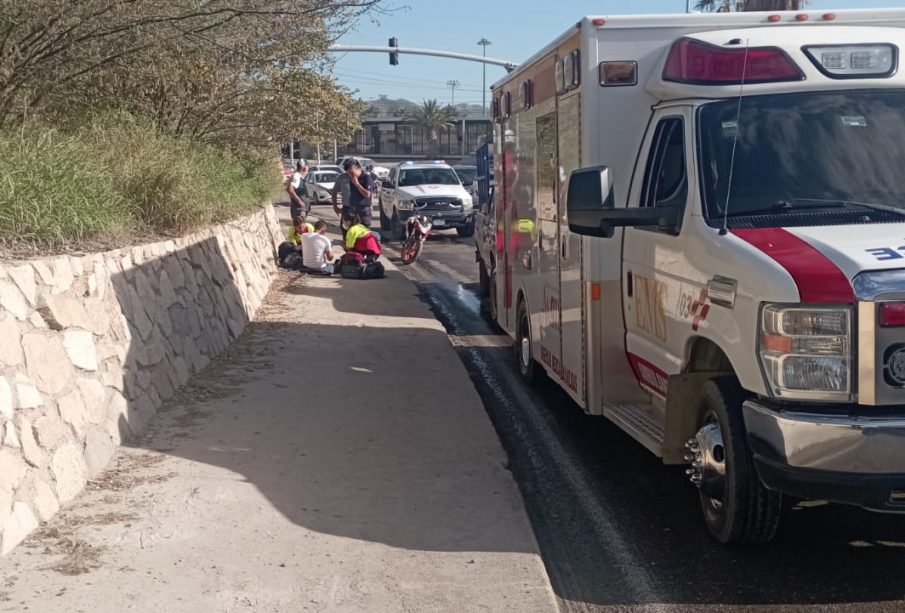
(297, 190)
(316, 253)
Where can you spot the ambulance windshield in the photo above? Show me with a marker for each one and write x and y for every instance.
(835, 153)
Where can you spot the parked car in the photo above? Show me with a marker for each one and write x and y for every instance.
(428, 188)
(320, 182)
(325, 167)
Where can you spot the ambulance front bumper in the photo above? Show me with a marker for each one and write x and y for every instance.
(840, 458)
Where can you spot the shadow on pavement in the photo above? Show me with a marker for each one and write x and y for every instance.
(353, 440)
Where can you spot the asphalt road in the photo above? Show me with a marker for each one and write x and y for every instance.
(619, 531)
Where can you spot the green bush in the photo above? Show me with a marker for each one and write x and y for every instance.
(116, 179)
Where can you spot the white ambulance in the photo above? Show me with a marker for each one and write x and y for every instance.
(699, 233)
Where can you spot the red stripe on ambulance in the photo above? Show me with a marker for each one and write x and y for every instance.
(817, 277)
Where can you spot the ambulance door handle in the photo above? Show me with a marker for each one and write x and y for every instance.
(629, 286)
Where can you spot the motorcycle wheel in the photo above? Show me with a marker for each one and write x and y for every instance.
(411, 250)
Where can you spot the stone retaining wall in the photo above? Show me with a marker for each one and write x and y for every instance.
(91, 345)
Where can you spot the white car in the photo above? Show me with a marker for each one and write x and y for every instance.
(319, 184)
(428, 188)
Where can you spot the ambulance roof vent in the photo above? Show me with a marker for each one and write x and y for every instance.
(698, 63)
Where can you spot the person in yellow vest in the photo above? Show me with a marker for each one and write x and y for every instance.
(299, 227)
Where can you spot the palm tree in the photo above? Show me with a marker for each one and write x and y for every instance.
(431, 117)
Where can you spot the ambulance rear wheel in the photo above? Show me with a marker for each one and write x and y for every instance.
(523, 352)
(737, 507)
(483, 279)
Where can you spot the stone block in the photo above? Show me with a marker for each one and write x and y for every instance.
(12, 469)
(47, 363)
(78, 267)
(28, 396)
(44, 271)
(36, 320)
(12, 300)
(80, 348)
(114, 376)
(68, 469)
(6, 398)
(21, 523)
(139, 319)
(73, 411)
(117, 416)
(95, 398)
(63, 311)
(30, 449)
(44, 499)
(62, 274)
(50, 431)
(24, 278)
(10, 438)
(6, 509)
(98, 451)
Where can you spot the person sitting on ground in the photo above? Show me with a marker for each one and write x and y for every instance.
(317, 256)
(298, 229)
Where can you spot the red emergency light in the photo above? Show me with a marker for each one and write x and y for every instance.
(892, 314)
(699, 63)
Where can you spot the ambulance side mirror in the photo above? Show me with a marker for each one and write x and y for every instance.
(590, 195)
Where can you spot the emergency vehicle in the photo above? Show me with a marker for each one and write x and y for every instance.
(699, 233)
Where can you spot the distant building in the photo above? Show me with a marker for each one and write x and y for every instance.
(384, 136)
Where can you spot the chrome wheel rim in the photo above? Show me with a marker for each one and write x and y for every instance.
(708, 463)
(526, 351)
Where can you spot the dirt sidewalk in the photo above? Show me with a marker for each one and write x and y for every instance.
(337, 459)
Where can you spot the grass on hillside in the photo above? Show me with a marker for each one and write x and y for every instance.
(117, 180)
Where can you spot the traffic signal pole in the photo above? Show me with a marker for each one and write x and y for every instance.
(395, 50)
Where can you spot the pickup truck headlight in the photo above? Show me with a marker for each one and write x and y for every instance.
(806, 352)
(405, 205)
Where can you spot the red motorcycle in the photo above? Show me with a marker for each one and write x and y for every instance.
(417, 229)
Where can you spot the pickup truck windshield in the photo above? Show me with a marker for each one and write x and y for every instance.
(427, 176)
(796, 152)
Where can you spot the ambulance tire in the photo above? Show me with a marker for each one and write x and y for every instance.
(488, 304)
(749, 513)
(483, 279)
(524, 354)
(466, 231)
(397, 230)
(384, 220)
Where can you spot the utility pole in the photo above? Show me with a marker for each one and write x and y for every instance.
(453, 84)
(484, 42)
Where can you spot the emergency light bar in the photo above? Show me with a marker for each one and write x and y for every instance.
(854, 61)
(698, 63)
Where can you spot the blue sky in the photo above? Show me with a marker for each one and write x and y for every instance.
(516, 28)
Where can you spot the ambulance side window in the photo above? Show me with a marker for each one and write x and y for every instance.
(666, 178)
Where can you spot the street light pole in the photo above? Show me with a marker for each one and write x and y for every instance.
(484, 42)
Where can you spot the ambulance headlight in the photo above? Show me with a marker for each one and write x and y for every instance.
(854, 61)
(806, 352)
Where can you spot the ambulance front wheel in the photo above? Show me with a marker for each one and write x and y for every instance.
(523, 351)
(737, 507)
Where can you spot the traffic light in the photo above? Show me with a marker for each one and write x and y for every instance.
(394, 55)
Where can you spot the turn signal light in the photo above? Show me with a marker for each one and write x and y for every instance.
(698, 63)
(892, 314)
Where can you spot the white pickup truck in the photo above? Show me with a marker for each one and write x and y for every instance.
(428, 188)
